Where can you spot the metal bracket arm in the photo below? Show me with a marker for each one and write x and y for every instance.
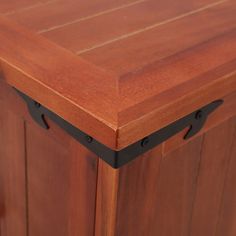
(116, 159)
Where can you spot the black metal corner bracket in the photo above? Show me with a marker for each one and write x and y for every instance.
(116, 159)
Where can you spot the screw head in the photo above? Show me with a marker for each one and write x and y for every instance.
(199, 115)
(89, 139)
(145, 142)
(37, 105)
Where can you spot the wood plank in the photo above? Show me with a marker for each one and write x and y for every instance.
(175, 190)
(125, 54)
(62, 12)
(106, 198)
(13, 200)
(226, 224)
(116, 186)
(12, 6)
(62, 186)
(88, 33)
(223, 113)
(212, 173)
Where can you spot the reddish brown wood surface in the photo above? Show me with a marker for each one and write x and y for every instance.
(189, 191)
(13, 201)
(62, 186)
(47, 179)
(216, 152)
(226, 224)
(145, 63)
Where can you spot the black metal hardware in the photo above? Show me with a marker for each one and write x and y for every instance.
(116, 159)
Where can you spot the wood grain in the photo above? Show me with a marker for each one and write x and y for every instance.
(31, 69)
(57, 13)
(62, 185)
(105, 29)
(45, 169)
(226, 224)
(13, 208)
(144, 64)
(215, 157)
(111, 187)
(185, 192)
(160, 38)
(12, 6)
(153, 195)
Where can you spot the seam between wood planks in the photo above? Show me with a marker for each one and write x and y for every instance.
(26, 8)
(125, 36)
(91, 16)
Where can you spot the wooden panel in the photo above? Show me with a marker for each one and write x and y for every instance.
(164, 38)
(177, 194)
(13, 220)
(106, 200)
(58, 13)
(87, 34)
(12, 6)
(61, 175)
(226, 224)
(62, 186)
(214, 165)
(174, 192)
(153, 196)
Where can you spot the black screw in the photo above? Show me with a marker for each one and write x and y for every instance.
(145, 142)
(89, 139)
(199, 115)
(37, 105)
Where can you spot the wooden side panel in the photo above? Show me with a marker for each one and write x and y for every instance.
(214, 163)
(12, 174)
(58, 185)
(175, 191)
(61, 185)
(227, 220)
(183, 193)
(154, 194)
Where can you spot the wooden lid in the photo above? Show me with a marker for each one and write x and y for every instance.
(119, 70)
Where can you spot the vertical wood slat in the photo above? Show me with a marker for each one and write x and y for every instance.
(13, 220)
(214, 163)
(226, 224)
(176, 190)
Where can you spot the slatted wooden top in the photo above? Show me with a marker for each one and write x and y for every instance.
(120, 69)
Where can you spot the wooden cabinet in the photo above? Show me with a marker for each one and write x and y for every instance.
(96, 99)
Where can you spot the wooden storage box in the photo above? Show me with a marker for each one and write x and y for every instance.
(117, 118)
